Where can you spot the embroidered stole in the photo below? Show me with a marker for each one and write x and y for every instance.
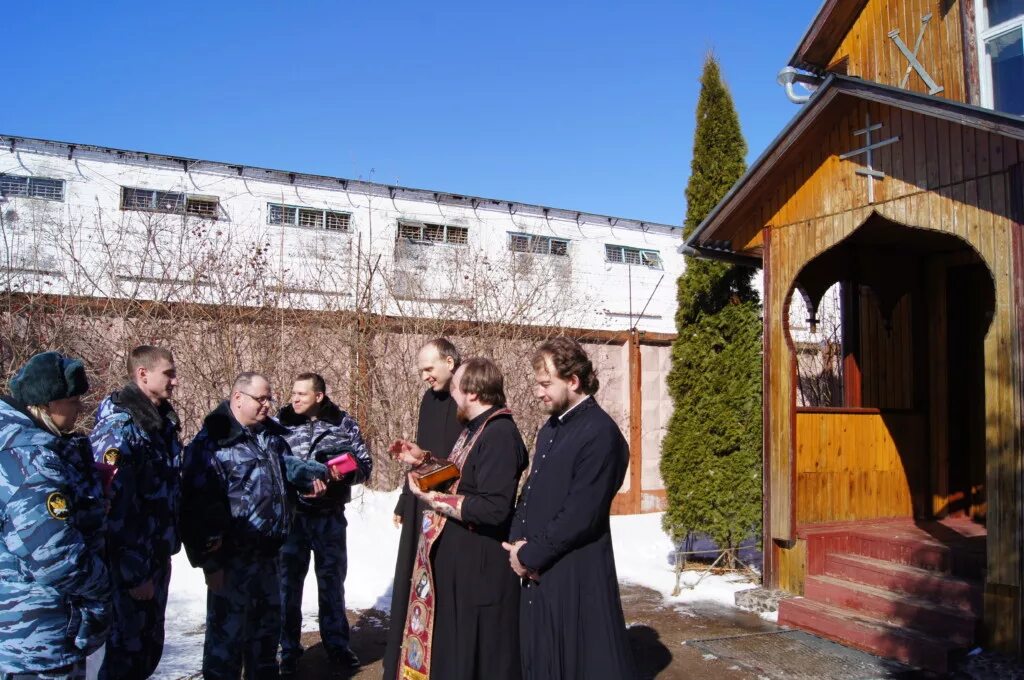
(414, 663)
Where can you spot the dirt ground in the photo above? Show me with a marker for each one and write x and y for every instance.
(676, 642)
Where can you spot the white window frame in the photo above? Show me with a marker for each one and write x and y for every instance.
(32, 181)
(446, 233)
(986, 33)
(533, 239)
(181, 199)
(301, 212)
(652, 257)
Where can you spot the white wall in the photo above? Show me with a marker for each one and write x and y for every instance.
(92, 226)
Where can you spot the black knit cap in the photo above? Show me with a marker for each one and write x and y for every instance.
(47, 377)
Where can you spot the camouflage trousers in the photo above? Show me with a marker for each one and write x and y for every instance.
(324, 535)
(73, 672)
(243, 621)
(136, 640)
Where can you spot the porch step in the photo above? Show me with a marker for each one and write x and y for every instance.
(921, 553)
(896, 609)
(914, 581)
(851, 628)
(893, 542)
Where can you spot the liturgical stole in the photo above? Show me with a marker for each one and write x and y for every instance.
(419, 621)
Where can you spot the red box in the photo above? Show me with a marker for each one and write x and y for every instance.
(342, 464)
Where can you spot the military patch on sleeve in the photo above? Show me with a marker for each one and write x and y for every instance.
(111, 455)
(57, 506)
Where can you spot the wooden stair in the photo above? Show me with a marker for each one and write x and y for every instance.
(895, 589)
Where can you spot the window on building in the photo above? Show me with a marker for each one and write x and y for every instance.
(433, 233)
(311, 218)
(173, 202)
(12, 186)
(628, 255)
(1001, 52)
(543, 245)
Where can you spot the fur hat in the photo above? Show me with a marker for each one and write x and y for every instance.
(47, 377)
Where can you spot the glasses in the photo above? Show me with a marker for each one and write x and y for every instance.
(262, 400)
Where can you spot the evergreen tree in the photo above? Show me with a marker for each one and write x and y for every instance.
(711, 455)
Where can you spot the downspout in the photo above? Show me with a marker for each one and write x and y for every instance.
(789, 75)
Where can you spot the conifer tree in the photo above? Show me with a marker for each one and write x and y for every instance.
(711, 455)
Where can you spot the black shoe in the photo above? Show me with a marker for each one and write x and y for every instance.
(344, 659)
(289, 666)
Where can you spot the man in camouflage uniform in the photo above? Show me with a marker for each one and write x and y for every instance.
(235, 517)
(54, 584)
(137, 432)
(319, 430)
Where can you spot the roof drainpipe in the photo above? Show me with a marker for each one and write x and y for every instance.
(789, 75)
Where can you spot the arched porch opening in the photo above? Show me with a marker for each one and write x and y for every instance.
(900, 433)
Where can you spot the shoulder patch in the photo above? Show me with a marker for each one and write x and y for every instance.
(57, 506)
(112, 455)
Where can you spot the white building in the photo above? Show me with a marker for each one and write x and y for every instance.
(105, 222)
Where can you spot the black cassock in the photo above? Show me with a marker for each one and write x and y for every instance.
(571, 623)
(437, 430)
(476, 624)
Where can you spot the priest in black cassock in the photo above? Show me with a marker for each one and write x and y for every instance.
(463, 609)
(571, 622)
(437, 430)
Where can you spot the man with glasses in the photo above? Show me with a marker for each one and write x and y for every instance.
(238, 474)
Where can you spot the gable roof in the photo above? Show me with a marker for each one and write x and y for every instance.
(705, 241)
(826, 32)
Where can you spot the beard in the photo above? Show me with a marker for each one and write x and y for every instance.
(462, 416)
(558, 406)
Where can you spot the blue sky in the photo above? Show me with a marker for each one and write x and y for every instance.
(585, 105)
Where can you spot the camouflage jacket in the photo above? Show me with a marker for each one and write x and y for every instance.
(142, 442)
(236, 488)
(334, 432)
(54, 584)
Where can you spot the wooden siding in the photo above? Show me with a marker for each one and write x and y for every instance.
(940, 176)
(887, 353)
(868, 52)
(980, 223)
(854, 466)
(931, 155)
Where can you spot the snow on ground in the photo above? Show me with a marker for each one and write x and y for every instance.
(642, 557)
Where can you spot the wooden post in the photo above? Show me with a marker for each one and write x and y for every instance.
(850, 318)
(770, 576)
(636, 451)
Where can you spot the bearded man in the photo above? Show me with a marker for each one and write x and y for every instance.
(461, 621)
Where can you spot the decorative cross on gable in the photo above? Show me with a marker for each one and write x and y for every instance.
(915, 65)
(868, 170)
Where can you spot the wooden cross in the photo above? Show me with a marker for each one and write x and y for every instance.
(868, 170)
(933, 87)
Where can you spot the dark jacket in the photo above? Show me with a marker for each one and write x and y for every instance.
(235, 491)
(54, 583)
(142, 442)
(333, 432)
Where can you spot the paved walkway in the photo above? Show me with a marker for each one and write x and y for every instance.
(703, 641)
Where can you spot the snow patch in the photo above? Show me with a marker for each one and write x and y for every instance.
(643, 556)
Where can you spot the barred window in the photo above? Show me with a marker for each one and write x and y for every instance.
(336, 221)
(173, 202)
(311, 218)
(627, 255)
(12, 186)
(281, 214)
(205, 207)
(433, 233)
(543, 245)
